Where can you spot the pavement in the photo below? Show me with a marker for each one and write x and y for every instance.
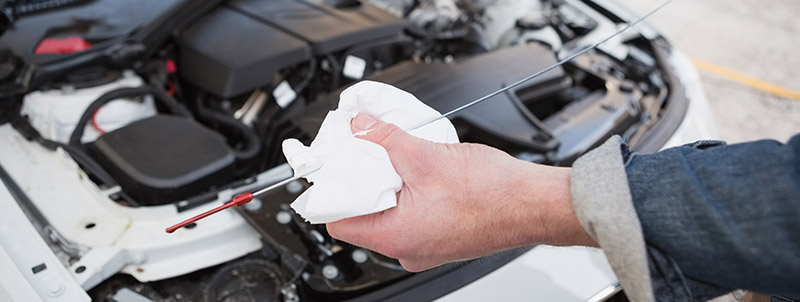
(745, 52)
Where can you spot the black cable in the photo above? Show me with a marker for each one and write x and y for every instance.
(161, 96)
(88, 164)
(41, 6)
(312, 68)
(174, 106)
(336, 73)
(74, 147)
(252, 143)
(10, 12)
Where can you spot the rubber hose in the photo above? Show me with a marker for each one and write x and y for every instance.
(252, 143)
(163, 97)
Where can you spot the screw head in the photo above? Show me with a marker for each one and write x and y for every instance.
(283, 217)
(294, 187)
(329, 271)
(359, 256)
(253, 205)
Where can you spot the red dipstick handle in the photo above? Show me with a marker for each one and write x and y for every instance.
(237, 201)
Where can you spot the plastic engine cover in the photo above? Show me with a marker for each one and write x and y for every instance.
(327, 25)
(502, 121)
(229, 54)
(164, 159)
(240, 46)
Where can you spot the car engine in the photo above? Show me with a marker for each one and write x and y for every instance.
(178, 105)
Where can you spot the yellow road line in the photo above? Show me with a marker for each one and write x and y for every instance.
(754, 83)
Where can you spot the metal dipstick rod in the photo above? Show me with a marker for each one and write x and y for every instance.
(247, 197)
(237, 201)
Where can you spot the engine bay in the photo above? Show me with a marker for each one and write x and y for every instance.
(167, 107)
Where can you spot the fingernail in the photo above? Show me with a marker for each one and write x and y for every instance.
(364, 122)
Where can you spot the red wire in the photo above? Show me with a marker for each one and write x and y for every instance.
(172, 88)
(95, 124)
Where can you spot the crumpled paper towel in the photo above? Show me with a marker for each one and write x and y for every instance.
(356, 176)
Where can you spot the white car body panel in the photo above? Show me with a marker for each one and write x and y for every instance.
(22, 249)
(133, 241)
(121, 239)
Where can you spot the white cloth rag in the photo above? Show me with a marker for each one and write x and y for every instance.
(355, 176)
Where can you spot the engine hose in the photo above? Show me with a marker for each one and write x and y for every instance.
(337, 71)
(40, 6)
(90, 166)
(161, 96)
(252, 143)
(74, 148)
(312, 67)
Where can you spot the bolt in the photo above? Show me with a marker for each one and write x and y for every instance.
(329, 271)
(359, 256)
(294, 187)
(253, 205)
(225, 104)
(317, 236)
(283, 217)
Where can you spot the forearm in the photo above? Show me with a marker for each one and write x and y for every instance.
(543, 212)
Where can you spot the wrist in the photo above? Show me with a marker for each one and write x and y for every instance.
(544, 206)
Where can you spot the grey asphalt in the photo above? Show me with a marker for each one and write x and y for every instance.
(759, 39)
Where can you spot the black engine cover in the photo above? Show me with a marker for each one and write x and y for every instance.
(327, 25)
(503, 121)
(228, 53)
(164, 159)
(240, 46)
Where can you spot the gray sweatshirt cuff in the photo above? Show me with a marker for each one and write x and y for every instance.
(602, 201)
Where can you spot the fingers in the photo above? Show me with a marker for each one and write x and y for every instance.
(418, 265)
(372, 129)
(403, 148)
(359, 231)
(363, 122)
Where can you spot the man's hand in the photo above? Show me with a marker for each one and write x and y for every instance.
(461, 201)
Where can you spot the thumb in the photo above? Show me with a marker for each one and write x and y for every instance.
(400, 145)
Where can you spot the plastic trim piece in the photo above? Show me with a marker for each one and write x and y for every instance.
(677, 104)
(437, 282)
(122, 239)
(22, 249)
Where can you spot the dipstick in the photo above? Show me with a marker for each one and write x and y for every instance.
(247, 197)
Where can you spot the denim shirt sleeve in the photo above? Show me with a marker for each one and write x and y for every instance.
(696, 221)
(717, 217)
(603, 204)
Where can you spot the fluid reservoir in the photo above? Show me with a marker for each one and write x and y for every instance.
(55, 112)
